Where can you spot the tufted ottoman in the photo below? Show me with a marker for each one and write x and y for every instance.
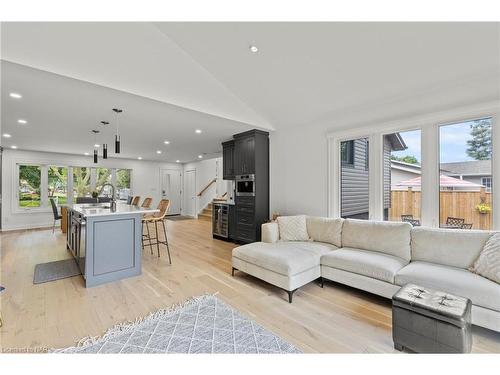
(429, 321)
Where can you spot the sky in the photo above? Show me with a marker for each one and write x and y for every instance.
(453, 143)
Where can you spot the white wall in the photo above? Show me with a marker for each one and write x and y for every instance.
(145, 181)
(207, 170)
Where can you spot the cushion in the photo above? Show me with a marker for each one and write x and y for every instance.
(285, 258)
(481, 291)
(323, 229)
(293, 228)
(449, 247)
(392, 238)
(363, 262)
(488, 263)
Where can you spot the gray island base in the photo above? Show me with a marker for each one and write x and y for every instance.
(106, 242)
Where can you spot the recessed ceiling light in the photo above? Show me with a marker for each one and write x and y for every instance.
(14, 147)
(198, 131)
(15, 95)
(158, 152)
(97, 145)
(254, 49)
(21, 121)
(200, 156)
(177, 161)
(86, 154)
(167, 142)
(140, 157)
(5, 135)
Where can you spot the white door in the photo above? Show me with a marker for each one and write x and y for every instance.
(171, 189)
(190, 193)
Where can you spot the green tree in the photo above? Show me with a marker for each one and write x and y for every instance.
(479, 147)
(410, 159)
(81, 181)
(58, 179)
(30, 175)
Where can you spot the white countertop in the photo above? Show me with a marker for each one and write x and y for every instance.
(92, 209)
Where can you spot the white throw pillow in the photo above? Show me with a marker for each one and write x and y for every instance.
(324, 229)
(488, 262)
(293, 228)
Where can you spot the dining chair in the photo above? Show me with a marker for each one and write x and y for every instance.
(135, 201)
(129, 199)
(55, 212)
(158, 218)
(455, 221)
(147, 202)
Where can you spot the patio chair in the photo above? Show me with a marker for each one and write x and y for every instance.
(414, 222)
(466, 226)
(406, 218)
(455, 221)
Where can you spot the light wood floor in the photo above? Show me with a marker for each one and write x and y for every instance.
(336, 319)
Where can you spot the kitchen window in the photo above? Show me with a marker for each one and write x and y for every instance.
(29, 186)
(57, 181)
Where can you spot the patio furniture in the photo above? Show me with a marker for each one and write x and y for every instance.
(455, 221)
(429, 321)
(467, 226)
(406, 218)
(414, 222)
(55, 212)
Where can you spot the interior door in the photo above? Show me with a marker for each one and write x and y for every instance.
(190, 192)
(171, 189)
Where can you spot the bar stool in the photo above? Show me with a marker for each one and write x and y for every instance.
(135, 201)
(163, 206)
(147, 202)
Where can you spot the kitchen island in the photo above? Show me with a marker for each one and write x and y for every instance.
(106, 240)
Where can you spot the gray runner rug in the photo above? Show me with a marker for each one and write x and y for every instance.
(52, 271)
(202, 324)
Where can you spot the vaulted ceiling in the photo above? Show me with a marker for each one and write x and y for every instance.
(174, 77)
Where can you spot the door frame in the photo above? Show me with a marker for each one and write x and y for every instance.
(184, 181)
(181, 203)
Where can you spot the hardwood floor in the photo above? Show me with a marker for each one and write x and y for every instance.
(335, 319)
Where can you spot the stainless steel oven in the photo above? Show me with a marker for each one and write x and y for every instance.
(245, 185)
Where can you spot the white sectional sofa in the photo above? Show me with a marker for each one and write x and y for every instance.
(378, 257)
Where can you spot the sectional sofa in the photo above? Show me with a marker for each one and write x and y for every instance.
(378, 257)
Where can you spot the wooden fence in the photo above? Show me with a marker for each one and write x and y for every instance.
(460, 204)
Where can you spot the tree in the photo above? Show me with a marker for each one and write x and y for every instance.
(58, 179)
(410, 159)
(30, 175)
(479, 147)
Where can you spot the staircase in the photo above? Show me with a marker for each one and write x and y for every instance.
(206, 214)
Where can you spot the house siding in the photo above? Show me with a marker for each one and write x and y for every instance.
(354, 182)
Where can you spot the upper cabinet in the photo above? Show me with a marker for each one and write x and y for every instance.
(228, 172)
(244, 154)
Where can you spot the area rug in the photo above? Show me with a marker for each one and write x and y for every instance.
(202, 324)
(52, 271)
(179, 217)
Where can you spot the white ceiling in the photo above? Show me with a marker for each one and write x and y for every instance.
(204, 74)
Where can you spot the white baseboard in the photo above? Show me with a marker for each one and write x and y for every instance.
(26, 227)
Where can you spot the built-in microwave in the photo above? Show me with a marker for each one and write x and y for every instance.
(245, 185)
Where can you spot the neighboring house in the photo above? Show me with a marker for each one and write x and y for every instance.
(475, 171)
(401, 171)
(355, 171)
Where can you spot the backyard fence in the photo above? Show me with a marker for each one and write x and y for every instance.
(461, 204)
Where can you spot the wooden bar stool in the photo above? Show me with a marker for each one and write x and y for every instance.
(158, 218)
(147, 202)
(135, 201)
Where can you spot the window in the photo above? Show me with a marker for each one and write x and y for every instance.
(347, 152)
(122, 183)
(29, 186)
(465, 155)
(487, 183)
(81, 182)
(402, 176)
(57, 182)
(103, 176)
(354, 180)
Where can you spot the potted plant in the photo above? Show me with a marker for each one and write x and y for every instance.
(95, 194)
(483, 208)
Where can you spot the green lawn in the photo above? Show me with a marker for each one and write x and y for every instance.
(33, 200)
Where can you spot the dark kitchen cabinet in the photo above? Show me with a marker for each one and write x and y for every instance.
(228, 172)
(244, 152)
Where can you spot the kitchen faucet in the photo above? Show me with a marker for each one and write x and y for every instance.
(113, 201)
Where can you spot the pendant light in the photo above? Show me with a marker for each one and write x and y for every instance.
(117, 135)
(104, 145)
(95, 145)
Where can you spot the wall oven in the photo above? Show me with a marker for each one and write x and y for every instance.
(245, 185)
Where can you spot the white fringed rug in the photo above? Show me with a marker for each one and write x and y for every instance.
(202, 324)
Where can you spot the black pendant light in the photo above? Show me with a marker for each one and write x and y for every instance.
(117, 135)
(95, 145)
(104, 145)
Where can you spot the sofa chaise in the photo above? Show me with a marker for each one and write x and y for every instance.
(377, 257)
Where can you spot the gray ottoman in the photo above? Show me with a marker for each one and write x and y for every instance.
(429, 321)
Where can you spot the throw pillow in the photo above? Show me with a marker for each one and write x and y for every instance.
(324, 229)
(488, 262)
(293, 228)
